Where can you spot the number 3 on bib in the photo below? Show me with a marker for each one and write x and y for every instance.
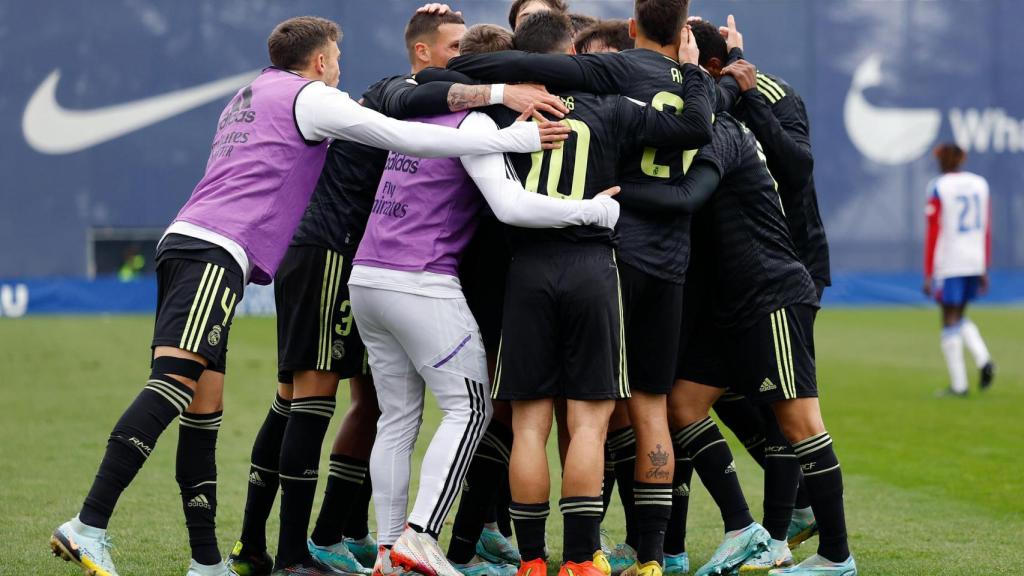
(579, 164)
(647, 164)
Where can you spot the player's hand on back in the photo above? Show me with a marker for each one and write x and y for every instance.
(435, 8)
(551, 133)
(608, 215)
(519, 97)
(688, 51)
(744, 72)
(733, 38)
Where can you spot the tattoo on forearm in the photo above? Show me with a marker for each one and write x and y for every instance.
(464, 97)
(659, 459)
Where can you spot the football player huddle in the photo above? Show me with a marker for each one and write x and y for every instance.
(605, 227)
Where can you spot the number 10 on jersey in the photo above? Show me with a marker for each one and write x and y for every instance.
(557, 156)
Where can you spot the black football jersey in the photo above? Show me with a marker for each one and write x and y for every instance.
(776, 114)
(655, 244)
(604, 129)
(757, 270)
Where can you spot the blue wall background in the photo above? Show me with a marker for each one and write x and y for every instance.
(926, 71)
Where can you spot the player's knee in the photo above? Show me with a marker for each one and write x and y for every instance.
(308, 383)
(799, 419)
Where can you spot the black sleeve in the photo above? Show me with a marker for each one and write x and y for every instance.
(785, 136)
(700, 183)
(405, 98)
(728, 92)
(728, 88)
(596, 73)
(428, 75)
(689, 130)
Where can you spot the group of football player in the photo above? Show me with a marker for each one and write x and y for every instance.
(606, 225)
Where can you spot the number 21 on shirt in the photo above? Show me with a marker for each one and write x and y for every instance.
(969, 208)
(647, 164)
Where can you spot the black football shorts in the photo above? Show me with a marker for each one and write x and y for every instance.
(315, 326)
(196, 299)
(653, 311)
(773, 360)
(562, 328)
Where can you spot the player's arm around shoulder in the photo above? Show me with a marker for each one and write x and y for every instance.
(324, 112)
(515, 206)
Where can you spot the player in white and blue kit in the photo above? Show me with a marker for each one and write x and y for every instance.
(958, 251)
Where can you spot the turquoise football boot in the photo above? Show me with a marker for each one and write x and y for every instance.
(677, 564)
(819, 566)
(495, 548)
(337, 557)
(738, 547)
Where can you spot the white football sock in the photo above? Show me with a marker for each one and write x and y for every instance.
(953, 350)
(974, 342)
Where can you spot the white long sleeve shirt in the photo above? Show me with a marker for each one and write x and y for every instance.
(324, 112)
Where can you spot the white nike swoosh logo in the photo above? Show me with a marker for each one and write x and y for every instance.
(52, 129)
(890, 136)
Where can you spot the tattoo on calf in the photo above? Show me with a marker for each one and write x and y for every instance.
(659, 459)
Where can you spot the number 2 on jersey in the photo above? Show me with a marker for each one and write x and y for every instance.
(579, 164)
(647, 164)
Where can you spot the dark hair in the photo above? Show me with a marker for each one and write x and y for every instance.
(513, 12)
(662, 20)
(423, 24)
(709, 42)
(544, 32)
(294, 41)
(580, 22)
(485, 38)
(950, 156)
(611, 33)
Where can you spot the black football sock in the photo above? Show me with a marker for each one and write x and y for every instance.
(713, 461)
(745, 421)
(652, 506)
(300, 462)
(581, 521)
(529, 521)
(491, 513)
(621, 450)
(196, 473)
(803, 500)
(263, 475)
(824, 481)
(357, 526)
(608, 483)
(675, 533)
(130, 444)
(501, 504)
(781, 474)
(346, 477)
(478, 494)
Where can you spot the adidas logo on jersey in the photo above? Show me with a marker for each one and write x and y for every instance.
(731, 468)
(767, 386)
(682, 490)
(255, 480)
(200, 501)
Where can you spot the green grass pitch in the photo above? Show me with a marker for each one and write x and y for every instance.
(933, 486)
